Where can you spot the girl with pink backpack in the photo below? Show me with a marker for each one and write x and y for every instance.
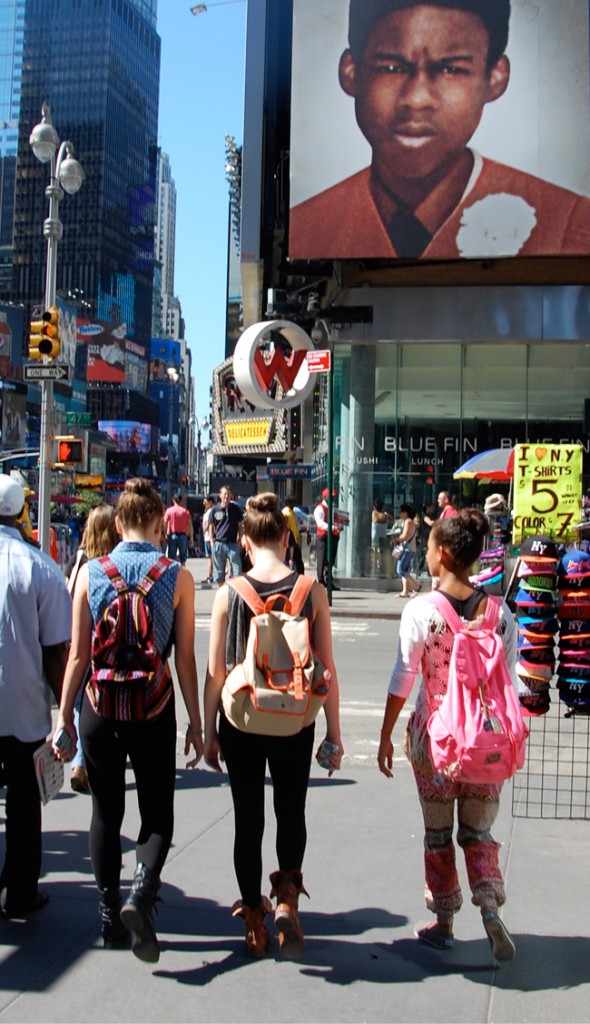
(426, 642)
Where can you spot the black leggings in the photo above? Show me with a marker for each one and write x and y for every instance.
(151, 748)
(289, 760)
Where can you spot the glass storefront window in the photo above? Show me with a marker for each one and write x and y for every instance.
(406, 416)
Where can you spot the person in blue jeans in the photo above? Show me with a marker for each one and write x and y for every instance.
(225, 532)
(404, 563)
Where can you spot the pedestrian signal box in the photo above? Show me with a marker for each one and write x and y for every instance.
(69, 450)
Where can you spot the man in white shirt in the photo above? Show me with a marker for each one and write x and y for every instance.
(35, 627)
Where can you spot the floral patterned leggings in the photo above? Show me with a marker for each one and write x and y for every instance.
(477, 809)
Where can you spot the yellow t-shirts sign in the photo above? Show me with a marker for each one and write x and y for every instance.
(547, 490)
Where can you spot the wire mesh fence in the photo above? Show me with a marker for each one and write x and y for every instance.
(554, 782)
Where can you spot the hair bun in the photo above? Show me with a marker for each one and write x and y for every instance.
(474, 521)
(138, 485)
(267, 502)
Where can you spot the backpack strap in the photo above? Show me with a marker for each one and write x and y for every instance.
(247, 592)
(153, 575)
(455, 622)
(300, 593)
(492, 612)
(113, 574)
(145, 585)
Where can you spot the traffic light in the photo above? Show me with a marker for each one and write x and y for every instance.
(44, 338)
(69, 449)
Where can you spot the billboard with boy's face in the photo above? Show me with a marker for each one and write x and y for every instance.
(443, 132)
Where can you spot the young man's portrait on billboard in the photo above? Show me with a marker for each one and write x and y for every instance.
(421, 76)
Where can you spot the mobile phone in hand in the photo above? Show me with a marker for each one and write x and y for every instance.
(63, 741)
(325, 751)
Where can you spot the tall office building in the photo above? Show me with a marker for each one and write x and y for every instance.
(164, 301)
(149, 9)
(12, 18)
(97, 63)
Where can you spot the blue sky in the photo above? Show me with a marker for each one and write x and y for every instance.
(201, 101)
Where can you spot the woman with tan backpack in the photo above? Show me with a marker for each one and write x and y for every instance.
(232, 714)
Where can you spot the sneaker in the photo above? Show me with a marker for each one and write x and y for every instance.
(503, 947)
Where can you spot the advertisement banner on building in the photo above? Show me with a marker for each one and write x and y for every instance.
(547, 491)
(474, 145)
(14, 417)
(106, 351)
(68, 335)
(164, 353)
(112, 357)
(239, 427)
(136, 368)
(12, 329)
(128, 435)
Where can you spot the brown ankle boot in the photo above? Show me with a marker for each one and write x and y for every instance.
(287, 886)
(257, 937)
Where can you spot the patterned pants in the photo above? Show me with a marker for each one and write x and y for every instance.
(477, 809)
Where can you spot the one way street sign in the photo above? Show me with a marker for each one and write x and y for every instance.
(46, 372)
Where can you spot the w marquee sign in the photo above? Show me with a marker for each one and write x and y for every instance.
(270, 364)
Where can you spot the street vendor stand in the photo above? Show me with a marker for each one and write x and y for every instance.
(551, 592)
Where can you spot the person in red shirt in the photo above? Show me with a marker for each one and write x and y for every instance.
(447, 511)
(445, 503)
(179, 529)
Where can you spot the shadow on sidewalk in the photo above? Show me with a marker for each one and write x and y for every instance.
(41, 949)
(321, 947)
(208, 779)
(542, 962)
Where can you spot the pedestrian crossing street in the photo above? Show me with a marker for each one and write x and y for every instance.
(360, 718)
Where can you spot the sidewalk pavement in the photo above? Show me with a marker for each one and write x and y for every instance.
(364, 872)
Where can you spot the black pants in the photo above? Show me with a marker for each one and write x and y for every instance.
(22, 862)
(289, 760)
(151, 748)
(321, 555)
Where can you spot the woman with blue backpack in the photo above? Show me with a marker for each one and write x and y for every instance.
(429, 628)
(129, 609)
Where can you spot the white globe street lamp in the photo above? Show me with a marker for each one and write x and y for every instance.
(65, 173)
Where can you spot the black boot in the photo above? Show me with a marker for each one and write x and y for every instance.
(114, 934)
(136, 914)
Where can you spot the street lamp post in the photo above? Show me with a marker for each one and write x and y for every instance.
(173, 378)
(66, 174)
(201, 476)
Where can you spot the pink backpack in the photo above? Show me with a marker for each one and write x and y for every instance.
(477, 734)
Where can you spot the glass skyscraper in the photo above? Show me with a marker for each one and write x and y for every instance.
(12, 18)
(97, 64)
